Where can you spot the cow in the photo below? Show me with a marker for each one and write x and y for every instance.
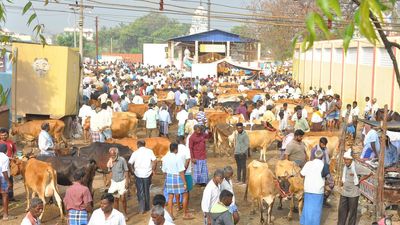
(124, 124)
(312, 141)
(258, 139)
(98, 152)
(139, 109)
(65, 167)
(262, 188)
(31, 130)
(40, 178)
(251, 93)
(221, 133)
(288, 174)
(216, 118)
(159, 145)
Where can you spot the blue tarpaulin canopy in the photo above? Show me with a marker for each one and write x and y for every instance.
(213, 36)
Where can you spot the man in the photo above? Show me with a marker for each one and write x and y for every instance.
(331, 113)
(45, 142)
(220, 214)
(159, 200)
(211, 195)
(289, 136)
(78, 201)
(165, 121)
(11, 151)
(181, 116)
(371, 144)
(323, 142)
(124, 103)
(151, 117)
(301, 123)
(242, 109)
(106, 214)
(5, 182)
(329, 91)
(201, 117)
(157, 216)
(175, 182)
(119, 178)
(34, 212)
(350, 192)
(137, 99)
(198, 153)
(184, 155)
(347, 119)
(228, 185)
(355, 112)
(367, 109)
(84, 112)
(296, 149)
(313, 190)
(100, 124)
(103, 98)
(177, 97)
(144, 165)
(242, 144)
(374, 108)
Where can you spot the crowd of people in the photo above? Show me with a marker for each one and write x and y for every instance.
(119, 84)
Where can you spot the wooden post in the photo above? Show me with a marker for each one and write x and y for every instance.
(342, 149)
(381, 169)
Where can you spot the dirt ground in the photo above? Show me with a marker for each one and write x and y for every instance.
(51, 215)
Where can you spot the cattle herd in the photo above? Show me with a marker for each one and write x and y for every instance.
(42, 174)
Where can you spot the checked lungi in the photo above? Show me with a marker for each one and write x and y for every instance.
(174, 184)
(200, 172)
(312, 209)
(96, 136)
(77, 217)
(163, 127)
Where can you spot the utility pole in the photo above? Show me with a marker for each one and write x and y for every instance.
(111, 50)
(81, 29)
(97, 46)
(209, 15)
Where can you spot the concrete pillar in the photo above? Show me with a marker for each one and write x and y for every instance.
(180, 57)
(196, 51)
(228, 49)
(258, 51)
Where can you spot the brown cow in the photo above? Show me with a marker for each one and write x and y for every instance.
(139, 109)
(124, 124)
(216, 118)
(159, 145)
(260, 185)
(258, 139)
(31, 130)
(40, 178)
(251, 93)
(288, 173)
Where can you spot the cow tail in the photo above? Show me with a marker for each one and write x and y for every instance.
(247, 184)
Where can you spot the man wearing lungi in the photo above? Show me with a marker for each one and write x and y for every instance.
(164, 120)
(198, 153)
(313, 190)
(77, 201)
(175, 182)
(144, 165)
(350, 191)
(211, 195)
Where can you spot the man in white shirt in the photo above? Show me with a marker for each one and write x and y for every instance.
(175, 182)
(159, 200)
(107, 214)
(103, 98)
(137, 99)
(164, 120)
(45, 141)
(151, 117)
(374, 108)
(367, 109)
(103, 120)
(184, 155)
(5, 181)
(313, 190)
(355, 112)
(211, 195)
(84, 112)
(181, 116)
(35, 210)
(329, 91)
(144, 165)
(158, 216)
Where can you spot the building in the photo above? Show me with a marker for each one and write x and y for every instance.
(365, 70)
(130, 58)
(88, 33)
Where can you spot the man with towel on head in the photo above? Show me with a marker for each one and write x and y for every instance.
(353, 174)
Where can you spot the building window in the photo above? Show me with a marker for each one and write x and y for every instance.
(326, 54)
(367, 56)
(317, 54)
(337, 55)
(351, 56)
(384, 58)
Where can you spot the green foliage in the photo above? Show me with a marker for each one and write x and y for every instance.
(67, 39)
(3, 95)
(151, 28)
(361, 20)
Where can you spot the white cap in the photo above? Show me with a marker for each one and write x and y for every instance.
(347, 154)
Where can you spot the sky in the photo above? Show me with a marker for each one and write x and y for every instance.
(56, 16)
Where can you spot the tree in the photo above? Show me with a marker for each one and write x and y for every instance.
(367, 19)
(28, 8)
(151, 28)
(67, 39)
